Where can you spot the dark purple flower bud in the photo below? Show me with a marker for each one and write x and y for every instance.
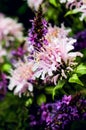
(3, 85)
(81, 41)
(19, 52)
(84, 116)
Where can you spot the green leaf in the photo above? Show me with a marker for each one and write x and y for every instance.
(49, 90)
(6, 67)
(28, 102)
(75, 11)
(53, 2)
(41, 99)
(81, 69)
(58, 86)
(75, 79)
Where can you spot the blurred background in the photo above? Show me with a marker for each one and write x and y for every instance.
(17, 9)
(14, 111)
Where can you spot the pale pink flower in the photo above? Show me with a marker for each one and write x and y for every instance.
(58, 38)
(65, 47)
(34, 3)
(2, 53)
(21, 77)
(49, 61)
(82, 9)
(84, 1)
(73, 3)
(57, 32)
(10, 29)
(78, 6)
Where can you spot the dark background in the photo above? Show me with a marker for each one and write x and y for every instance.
(17, 9)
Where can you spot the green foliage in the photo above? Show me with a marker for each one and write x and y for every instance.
(78, 125)
(13, 113)
(49, 90)
(28, 102)
(6, 67)
(81, 69)
(53, 2)
(41, 99)
(74, 79)
(70, 12)
(59, 85)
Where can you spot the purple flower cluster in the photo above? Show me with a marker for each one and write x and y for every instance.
(81, 41)
(61, 114)
(3, 85)
(38, 31)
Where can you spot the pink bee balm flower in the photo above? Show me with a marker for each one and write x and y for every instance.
(10, 29)
(79, 6)
(57, 32)
(34, 3)
(74, 3)
(51, 60)
(47, 62)
(82, 9)
(57, 38)
(21, 78)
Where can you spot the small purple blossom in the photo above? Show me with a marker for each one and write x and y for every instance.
(67, 99)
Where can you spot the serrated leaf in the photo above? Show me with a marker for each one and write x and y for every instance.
(81, 69)
(75, 11)
(75, 79)
(58, 86)
(53, 2)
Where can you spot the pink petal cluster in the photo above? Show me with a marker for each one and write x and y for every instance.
(55, 31)
(21, 77)
(74, 3)
(10, 29)
(79, 6)
(34, 3)
(50, 61)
